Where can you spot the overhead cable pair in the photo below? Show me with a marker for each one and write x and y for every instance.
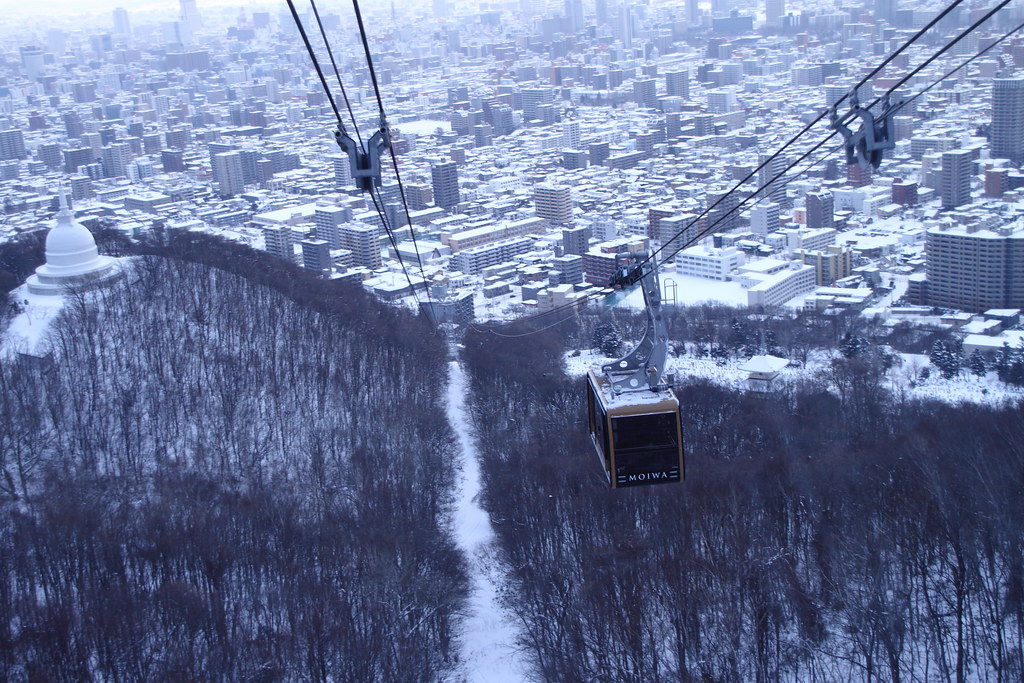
(364, 159)
(891, 109)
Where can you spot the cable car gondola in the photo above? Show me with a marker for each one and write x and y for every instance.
(634, 417)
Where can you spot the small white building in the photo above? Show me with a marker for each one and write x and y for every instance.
(780, 287)
(709, 263)
(763, 372)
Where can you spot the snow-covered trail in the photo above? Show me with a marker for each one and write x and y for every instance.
(488, 634)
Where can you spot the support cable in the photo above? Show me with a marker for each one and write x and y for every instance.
(949, 73)
(369, 63)
(948, 46)
(408, 219)
(316, 64)
(981, 52)
(910, 41)
(337, 74)
(394, 243)
(391, 149)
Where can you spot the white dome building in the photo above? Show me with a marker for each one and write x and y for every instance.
(71, 258)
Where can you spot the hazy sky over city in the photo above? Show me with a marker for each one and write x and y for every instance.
(139, 10)
(21, 17)
(106, 6)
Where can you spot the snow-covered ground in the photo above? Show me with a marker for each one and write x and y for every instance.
(685, 290)
(27, 330)
(966, 387)
(678, 289)
(423, 127)
(903, 380)
(488, 636)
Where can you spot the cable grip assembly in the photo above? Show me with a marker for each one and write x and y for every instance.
(364, 163)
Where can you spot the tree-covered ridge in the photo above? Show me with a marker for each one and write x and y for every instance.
(820, 535)
(216, 481)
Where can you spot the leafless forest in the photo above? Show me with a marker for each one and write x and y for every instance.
(820, 535)
(217, 480)
(218, 477)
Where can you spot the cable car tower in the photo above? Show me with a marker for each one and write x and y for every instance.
(633, 416)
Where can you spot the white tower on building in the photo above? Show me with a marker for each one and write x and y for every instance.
(71, 258)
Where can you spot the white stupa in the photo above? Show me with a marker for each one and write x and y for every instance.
(71, 258)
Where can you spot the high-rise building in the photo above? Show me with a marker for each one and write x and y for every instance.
(885, 10)
(834, 263)
(101, 44)
(419, 196)
(84, 92)
(774, 10)
(553, 203)
(858, 174)
(599, 151)
(228, 173)
(724, 217)
(176, 33)
(37, 121)
(342, 170)
(997, 181)
(764, 218)
(533, 99)
(569, 269)
(975, 270)
(504, 120)
(180, 139)
(250, 173)
(50, 154)
(173, 160)
(645, 93)
(1007, 139)
(673, 125)
(806, 76)
(903, 127)
(573, 159)
(483, 135)
(571, 135)
(316, 256)
(774, 187)
(955, 183)
(151, 143)
(654, 216)
(574, 15)
(819, 210)
(704, 124)
(904, 192)
(575, 240)
(364, 243)
(445, 177)
(115, 159)
(32, 61)
(74, 158)
(721, 101)
(81, 187)
(676, 232)
(277, 240)
(627, 26)
(677, 84)
(12, 144)
(122, 26)
(328, 221)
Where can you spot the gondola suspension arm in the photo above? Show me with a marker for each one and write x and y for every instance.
(641, 368)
